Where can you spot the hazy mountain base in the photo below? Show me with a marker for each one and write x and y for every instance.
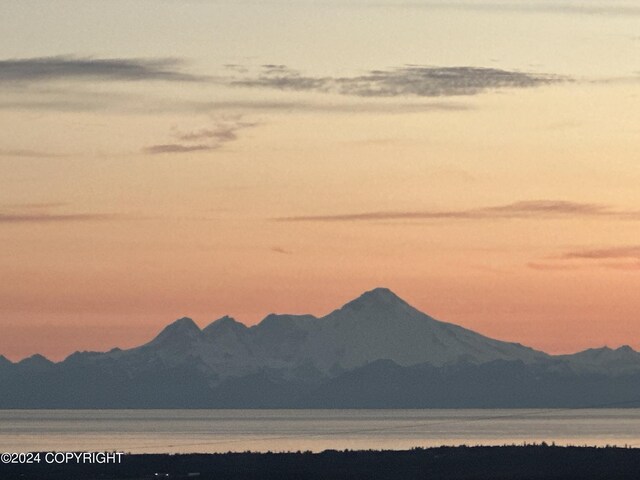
(381, 384)
(450, 463)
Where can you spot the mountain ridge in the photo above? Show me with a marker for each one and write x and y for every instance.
(376, 351)
(379, 299)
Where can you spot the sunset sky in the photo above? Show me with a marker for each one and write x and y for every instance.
(169, 158)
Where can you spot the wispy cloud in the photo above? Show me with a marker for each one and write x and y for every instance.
(53, 217)
(357, 106)
(72, 83)
(92, 101)
(551, 267)
(77, 68)
(45, 212)
(67, 83)
(28, 153)
(178, 148)
(411, 80)
(203, 139)
(625, 258)
(584, 7)
(523, 210)
(604, 253)
(281, 250)
(224, 131)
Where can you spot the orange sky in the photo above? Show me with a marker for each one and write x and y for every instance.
(205, 161)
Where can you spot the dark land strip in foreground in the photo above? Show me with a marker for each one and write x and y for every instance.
(451, 463)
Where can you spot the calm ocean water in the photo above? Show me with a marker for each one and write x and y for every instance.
(146, 431)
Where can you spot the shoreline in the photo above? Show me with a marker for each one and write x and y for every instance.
(530, 462)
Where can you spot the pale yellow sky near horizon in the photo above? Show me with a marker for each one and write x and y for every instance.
(151, 166)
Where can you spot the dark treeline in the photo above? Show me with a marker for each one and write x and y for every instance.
(450, 463)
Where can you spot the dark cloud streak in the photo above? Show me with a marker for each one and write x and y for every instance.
(411, 80)
(46, 212)
(178, 148)
(281, 250)
(206, 139)
(75, 68)
(623, 258)
(517, 210)
(9, 218)
(605, 253)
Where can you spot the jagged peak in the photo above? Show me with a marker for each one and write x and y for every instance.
(184, 327)
(380, 293)
(607, 352)
(379, 298)
(592, 351)
(35, 360)
(626, 349)
(82, 355)
(226, 320)
(223, 324)
(606, 348)
(183, 324)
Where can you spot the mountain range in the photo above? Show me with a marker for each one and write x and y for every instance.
(376, 351)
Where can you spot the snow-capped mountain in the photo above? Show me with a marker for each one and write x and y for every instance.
(377, 325)
(604, 360)
(378, 347)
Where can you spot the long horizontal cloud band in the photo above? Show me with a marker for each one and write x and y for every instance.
(525, 209)
(412, 80)
(563, 7)
(53, 217)
(68, 67)
(421, 81)
(626, 258)
(595, 254)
